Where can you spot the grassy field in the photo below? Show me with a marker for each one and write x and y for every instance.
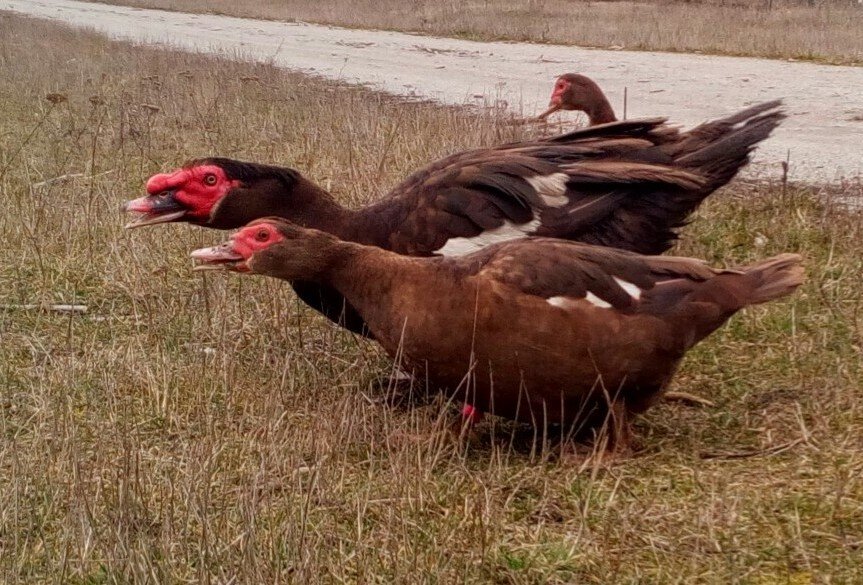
(829, 32)
(208, 429)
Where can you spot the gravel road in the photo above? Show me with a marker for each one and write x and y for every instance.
(824, 133)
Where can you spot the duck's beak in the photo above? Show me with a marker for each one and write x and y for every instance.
(552, 108)
(160, 208)
(223, 257)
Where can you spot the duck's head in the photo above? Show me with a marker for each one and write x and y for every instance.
(220, 193)
(272, 247)
(573, 91)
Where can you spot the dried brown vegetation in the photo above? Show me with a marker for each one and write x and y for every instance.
(828, 31)
(212, 430)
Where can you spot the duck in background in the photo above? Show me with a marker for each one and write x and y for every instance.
(576, 92)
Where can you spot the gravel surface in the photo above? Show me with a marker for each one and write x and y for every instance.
(824, 132)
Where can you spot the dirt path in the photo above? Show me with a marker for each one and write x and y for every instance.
(824, 132)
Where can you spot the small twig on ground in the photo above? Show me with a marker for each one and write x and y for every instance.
(774, 450)
(54, 308)
(687, 398)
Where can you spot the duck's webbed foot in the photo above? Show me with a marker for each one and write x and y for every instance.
(618, 438)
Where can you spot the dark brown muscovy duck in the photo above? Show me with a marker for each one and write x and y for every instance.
(628, 185)
(573, 91)
(540, 330)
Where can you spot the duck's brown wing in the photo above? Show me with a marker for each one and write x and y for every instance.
(625, 184)
(687, 292)
(566, 272)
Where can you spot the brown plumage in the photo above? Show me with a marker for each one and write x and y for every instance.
(628, 185)
(573, 91)
(538, 329)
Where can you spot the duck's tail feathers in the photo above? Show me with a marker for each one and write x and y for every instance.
(718, 150)
(774, 278)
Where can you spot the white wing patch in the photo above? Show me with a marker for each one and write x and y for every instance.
(630, 288)
(550, 188)
(568, 303)
(562, 302)
(592, 298)
(508, 231)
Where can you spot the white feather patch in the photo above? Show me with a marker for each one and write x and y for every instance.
(592, 298)
(567, 302)
(561, 302)
(630, 288)
(550, 188)
(508, 231)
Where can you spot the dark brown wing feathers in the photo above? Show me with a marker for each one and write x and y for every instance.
(636, 128)
(487, 212)
(612, 172)
(627, 184)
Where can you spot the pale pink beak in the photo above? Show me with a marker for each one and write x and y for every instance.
(222, 257)
(552, 108)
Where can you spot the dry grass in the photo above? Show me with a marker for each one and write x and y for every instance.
(191, 429)
(829, 32)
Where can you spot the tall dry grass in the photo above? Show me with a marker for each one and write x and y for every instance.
(828, 31)
(209, 429)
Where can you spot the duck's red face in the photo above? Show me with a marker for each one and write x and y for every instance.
(235, 254)
(557, 94)
(188, 194)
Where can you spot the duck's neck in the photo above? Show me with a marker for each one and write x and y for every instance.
(600, 111)
(362, 273)
(313, 207)
(378, 284)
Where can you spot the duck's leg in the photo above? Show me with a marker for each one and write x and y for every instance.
(401, 388)
(612, 441)
(470, 414)
(470, 417)
(619, 441)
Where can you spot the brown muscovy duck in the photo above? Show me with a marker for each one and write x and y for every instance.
(539, 329)
(573, 91)
(628, 185)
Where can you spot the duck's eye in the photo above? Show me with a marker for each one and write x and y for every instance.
(262, 235)
(210, 179)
